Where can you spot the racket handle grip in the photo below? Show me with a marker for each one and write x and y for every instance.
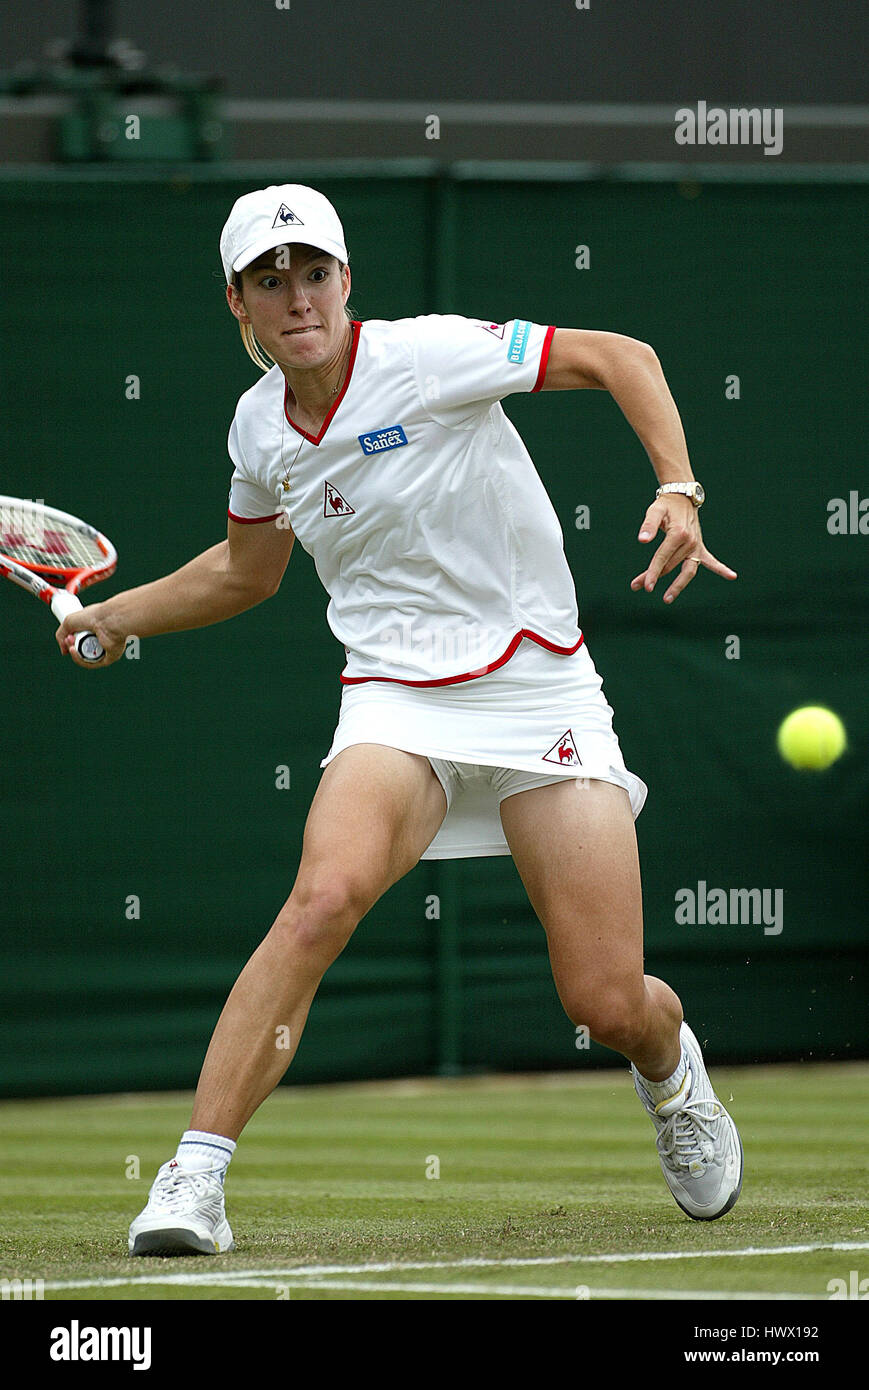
(86, 644)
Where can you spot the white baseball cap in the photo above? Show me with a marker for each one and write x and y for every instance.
(276, 216)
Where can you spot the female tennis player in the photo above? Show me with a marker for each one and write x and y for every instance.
(472, 719)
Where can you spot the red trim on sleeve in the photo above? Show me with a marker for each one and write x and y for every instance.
(483, 671)
(251, 520)
(315, 439)
(544, 358)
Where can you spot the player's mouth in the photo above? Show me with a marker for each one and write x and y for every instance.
(311, 328)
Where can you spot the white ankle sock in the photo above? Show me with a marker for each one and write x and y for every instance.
(666, 1089)
(199, 1149)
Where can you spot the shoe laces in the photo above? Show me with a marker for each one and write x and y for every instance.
(688, 1137)
(176, 1190)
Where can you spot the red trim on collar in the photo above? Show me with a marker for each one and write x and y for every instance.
(315, 439)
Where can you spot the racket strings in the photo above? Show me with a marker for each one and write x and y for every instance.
(41, 541)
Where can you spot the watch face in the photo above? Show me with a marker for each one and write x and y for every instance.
(699, 493)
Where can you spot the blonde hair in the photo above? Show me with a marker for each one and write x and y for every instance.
(254, 349)
(252, 346)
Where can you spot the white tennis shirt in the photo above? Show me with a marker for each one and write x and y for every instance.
(428, 524)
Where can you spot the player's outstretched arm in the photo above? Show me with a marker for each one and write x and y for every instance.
(226, 580)
(630, 371)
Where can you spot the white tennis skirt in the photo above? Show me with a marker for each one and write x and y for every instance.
(537, 719)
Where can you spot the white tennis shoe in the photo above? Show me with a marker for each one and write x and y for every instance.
(698, 1143)
(184, 1214)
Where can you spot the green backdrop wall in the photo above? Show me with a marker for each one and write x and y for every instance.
(151, 788)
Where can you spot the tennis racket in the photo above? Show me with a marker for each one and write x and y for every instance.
(39, 544)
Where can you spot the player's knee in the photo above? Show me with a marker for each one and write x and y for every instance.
(615, 1017)
(320, 917)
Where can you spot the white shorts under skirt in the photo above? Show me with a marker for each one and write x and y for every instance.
(537, 719)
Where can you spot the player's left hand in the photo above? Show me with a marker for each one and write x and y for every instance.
(683, 545)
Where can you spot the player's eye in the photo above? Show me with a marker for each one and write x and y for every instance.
(270, 282)
(321, 272)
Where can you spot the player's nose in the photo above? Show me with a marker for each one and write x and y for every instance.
(297, 297)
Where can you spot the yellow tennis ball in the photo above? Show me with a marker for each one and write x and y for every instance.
(811, 737)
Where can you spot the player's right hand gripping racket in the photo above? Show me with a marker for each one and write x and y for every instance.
(38, 544)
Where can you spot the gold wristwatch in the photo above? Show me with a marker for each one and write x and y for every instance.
(695, 491)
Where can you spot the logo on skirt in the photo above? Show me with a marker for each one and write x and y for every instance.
(563, 752)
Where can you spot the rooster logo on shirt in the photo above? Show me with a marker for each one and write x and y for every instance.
(334, 504)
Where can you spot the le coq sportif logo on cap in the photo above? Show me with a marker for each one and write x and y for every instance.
(285, 217)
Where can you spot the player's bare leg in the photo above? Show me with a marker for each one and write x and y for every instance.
(375, 811)
(574, 845)
(575, 848)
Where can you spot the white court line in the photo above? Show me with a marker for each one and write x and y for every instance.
(536, 1291)
(405, 1267)
(529, 1291)
(485, 1290)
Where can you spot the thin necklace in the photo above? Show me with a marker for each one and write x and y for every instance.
(285, 481)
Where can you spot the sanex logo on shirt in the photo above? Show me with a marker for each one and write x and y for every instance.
(375, 441)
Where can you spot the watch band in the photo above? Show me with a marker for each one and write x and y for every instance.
(694, 490)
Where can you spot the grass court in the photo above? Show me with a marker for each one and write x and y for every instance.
(488, 1188)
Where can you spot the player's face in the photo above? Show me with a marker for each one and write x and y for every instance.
(294, 298)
